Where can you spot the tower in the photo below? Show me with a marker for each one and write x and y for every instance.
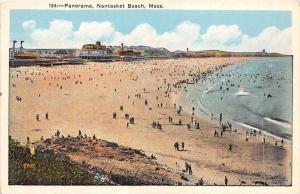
(122, 47)
(21, 47)
(13, 49)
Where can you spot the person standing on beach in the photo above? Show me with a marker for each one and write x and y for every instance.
(230, 147)
(175, 145)
(177, 167)
(57, 133)
(37, 117)
(186, 167)
(47, 116)
(188, 126)
(226, 180)
(182, 145)
(190, 169)
(264, 140)
(221, 115)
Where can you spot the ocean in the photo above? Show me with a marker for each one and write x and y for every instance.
(254, 94)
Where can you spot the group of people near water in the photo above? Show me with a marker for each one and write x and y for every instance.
(165, 91)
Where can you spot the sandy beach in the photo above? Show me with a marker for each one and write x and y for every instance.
(85, 97)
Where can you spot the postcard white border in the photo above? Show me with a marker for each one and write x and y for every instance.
(289, 5)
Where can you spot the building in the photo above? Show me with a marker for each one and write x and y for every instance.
(97, 52)
(129, 53)
(96, 46)
(25, 55)
(42, 57)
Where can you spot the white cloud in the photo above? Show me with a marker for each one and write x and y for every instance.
(142, 34)
(29, 24)
(272, 39)
(185, 35)
(61, 34)
(221, 34)
(92, 31)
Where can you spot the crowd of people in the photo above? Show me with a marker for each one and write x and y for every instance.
(159, 109)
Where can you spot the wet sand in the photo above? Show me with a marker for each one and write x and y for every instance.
(84, 97)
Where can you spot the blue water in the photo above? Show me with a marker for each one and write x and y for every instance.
(246, 100)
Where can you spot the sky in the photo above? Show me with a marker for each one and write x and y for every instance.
(171, 29)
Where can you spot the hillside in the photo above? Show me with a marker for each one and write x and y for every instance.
(85, 161)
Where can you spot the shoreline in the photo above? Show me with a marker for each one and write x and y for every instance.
(235, 124)
(91, 93)
(184, 95)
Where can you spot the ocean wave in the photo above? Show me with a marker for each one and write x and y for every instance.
(199, 106)
(247, 105)
(210, 91)
(247, 126)
(279, 122)
(242, 93)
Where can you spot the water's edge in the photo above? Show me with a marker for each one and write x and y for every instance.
(205, 113)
